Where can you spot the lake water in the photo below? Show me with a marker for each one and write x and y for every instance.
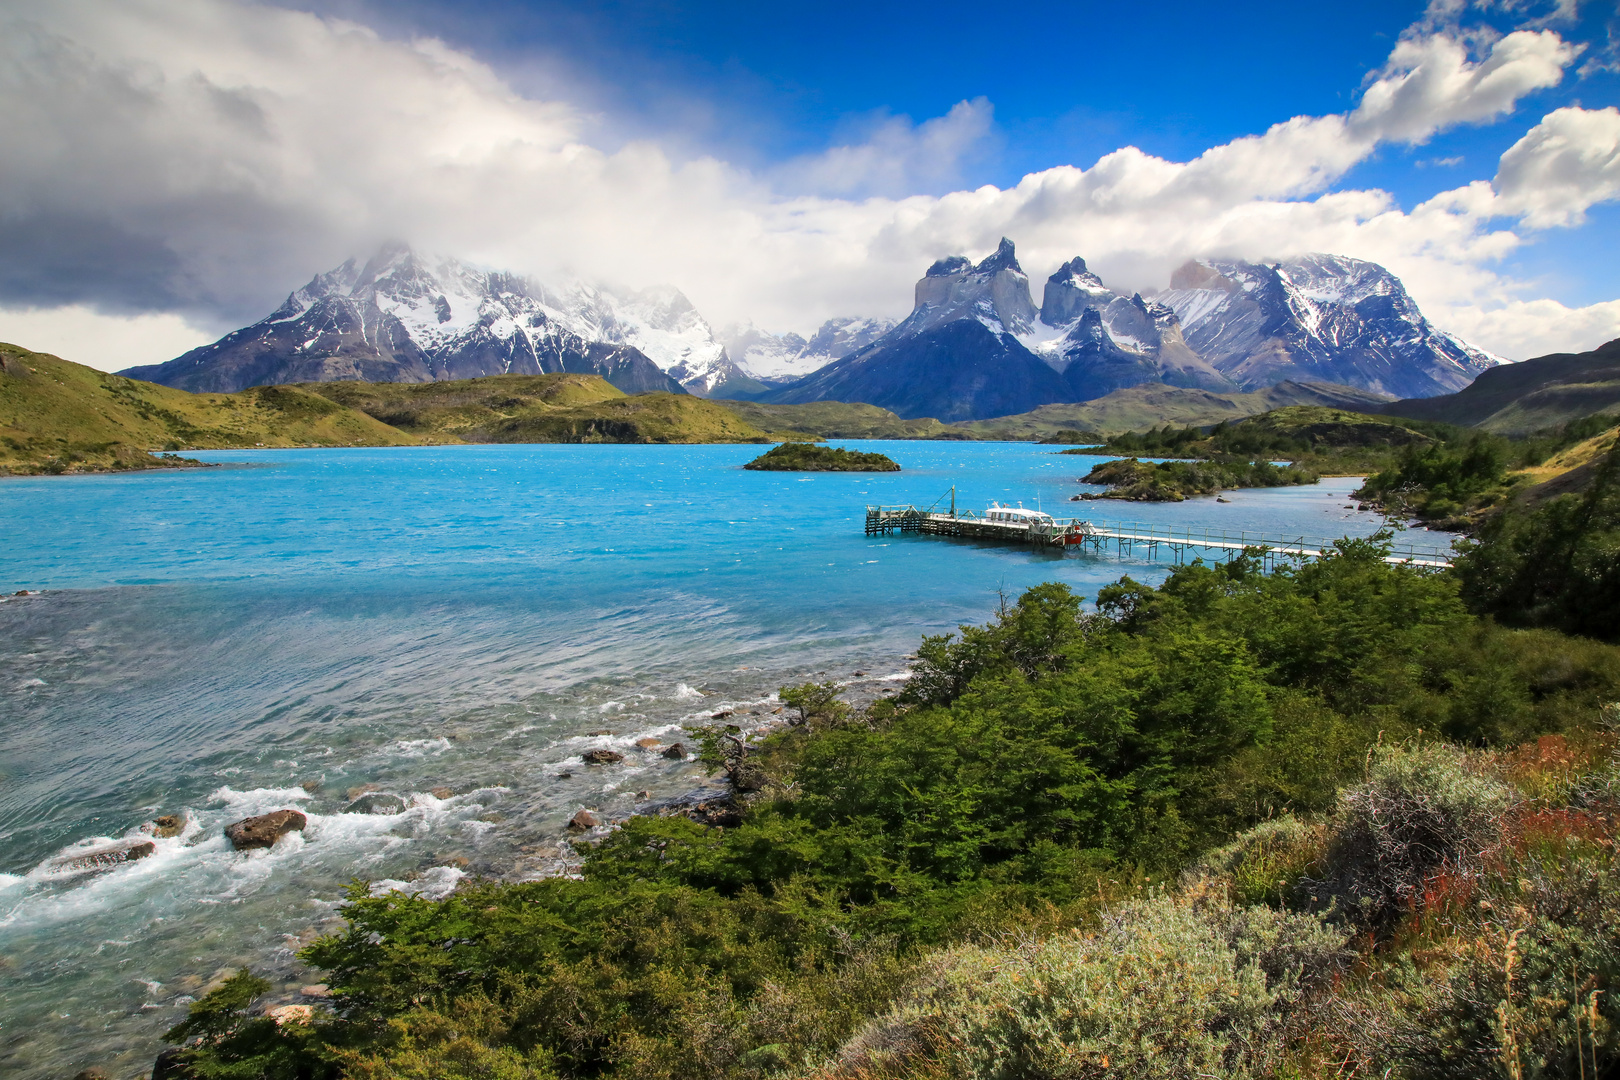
(222, 642)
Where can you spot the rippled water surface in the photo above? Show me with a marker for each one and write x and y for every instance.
(450, 628)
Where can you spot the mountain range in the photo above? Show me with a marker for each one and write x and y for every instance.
(974, 346)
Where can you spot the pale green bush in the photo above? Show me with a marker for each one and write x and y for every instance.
(1166, 989)
(1260, 866)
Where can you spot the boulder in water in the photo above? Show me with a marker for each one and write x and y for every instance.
(675, 752)
(602, 757)
(265, 829)
(583, 820)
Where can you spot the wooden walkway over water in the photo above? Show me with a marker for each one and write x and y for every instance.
(1124, 537)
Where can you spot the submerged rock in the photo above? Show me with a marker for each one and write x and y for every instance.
(291, 1014)
(265, 829)
(602, 757)
(166, 825)
(441, 792)
(104, 858)
(377, 802)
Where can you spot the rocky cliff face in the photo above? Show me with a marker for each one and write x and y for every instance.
(403, 317)
(995, 292)
(1317, 317)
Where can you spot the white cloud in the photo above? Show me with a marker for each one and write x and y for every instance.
(897, 157)
(105, 342)
(1562, 167)
(1525, 328)
(206, 156)
(1429, 83)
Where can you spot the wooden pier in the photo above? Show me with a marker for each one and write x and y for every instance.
(1123, 537)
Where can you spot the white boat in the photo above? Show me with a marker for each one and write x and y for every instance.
(1017, 515)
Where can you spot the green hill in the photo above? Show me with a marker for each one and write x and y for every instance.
(1150, 405)
(541, 409)
(57, 416)
(1516, 399)
(840, 420)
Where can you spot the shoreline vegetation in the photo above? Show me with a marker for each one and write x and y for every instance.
(805, 457)
(1332, 819)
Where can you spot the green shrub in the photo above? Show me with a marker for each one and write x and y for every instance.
(1165, 989)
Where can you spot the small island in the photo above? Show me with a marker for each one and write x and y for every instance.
(808, 457)
(1174, 481)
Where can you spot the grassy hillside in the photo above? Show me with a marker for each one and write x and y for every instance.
(57, 416)
(840, 420)
(542, 409)
(1517, 399)
(1150, 405)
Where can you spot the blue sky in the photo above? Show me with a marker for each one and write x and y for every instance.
(782, 163)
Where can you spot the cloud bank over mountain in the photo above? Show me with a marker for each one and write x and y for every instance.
(198, 157)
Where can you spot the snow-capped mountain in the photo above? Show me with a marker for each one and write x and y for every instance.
(968, 347)
(661, 322)
(957, 356)
(975, 346)
(1317, 317)
(1124, 341)
(408, 317)
(778, 358)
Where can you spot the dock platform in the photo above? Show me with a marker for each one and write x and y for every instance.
(1123, 537)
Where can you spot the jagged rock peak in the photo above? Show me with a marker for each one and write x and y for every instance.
(1074, 272)
(995, 292)
(1003, 259)
(951, 264)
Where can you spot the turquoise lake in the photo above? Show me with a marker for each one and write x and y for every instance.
(302, 623)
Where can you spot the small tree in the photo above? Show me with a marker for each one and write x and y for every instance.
(817, 703)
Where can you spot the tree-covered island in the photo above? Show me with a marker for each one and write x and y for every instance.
(808, 457)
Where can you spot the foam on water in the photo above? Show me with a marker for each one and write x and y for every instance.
(228, 642)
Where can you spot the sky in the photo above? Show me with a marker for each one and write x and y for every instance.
(171, 169)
